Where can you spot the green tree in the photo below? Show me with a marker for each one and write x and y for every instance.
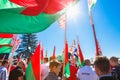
(28, 45)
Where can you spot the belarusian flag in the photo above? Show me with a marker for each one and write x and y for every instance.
(5, 43)
(81, 58)
(91, 3)
(67, 65)
(33, 69)
(29, 16)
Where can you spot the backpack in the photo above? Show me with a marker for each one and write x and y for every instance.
(116, 72)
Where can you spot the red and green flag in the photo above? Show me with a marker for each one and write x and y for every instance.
(67, 65)
(5, 43)
(91, 3)
(81, 57)
(23, 16)
(33, 69)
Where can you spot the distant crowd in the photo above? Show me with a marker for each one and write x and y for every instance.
(102, 69)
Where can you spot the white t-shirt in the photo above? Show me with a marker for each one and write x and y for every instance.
(44, 70)
(87, 73)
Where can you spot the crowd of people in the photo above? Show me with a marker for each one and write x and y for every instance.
(102, 69)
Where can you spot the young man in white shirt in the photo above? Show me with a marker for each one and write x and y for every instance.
(87, 72)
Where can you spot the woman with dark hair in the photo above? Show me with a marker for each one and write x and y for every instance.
(17, 73)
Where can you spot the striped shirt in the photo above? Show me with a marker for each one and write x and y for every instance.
(3, 73)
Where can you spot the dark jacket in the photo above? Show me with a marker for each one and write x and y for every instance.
(116, 72)
(52, 76)
(107, 78)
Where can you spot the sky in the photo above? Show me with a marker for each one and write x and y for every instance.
(106, 17)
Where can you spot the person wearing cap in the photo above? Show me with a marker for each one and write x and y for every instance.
(87, 72)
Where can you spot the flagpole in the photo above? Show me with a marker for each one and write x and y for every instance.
(65, 31)
(65, 28)
(93, 28)
(15, 45)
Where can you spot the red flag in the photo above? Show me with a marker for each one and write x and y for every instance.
(66, 62)
(66, 52)
(35, 7)
(53, 57)
(80, 54)
(35, 60)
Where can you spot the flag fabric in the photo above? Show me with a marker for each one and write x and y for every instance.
(67, 65)
(81, 57)
(91, 3)
(33, 69)
(62, 21)
(5, 43)
(6, 35)
(23, 16)
(53, 56)
(29, 72)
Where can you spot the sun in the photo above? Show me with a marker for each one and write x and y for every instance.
(73, 12)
